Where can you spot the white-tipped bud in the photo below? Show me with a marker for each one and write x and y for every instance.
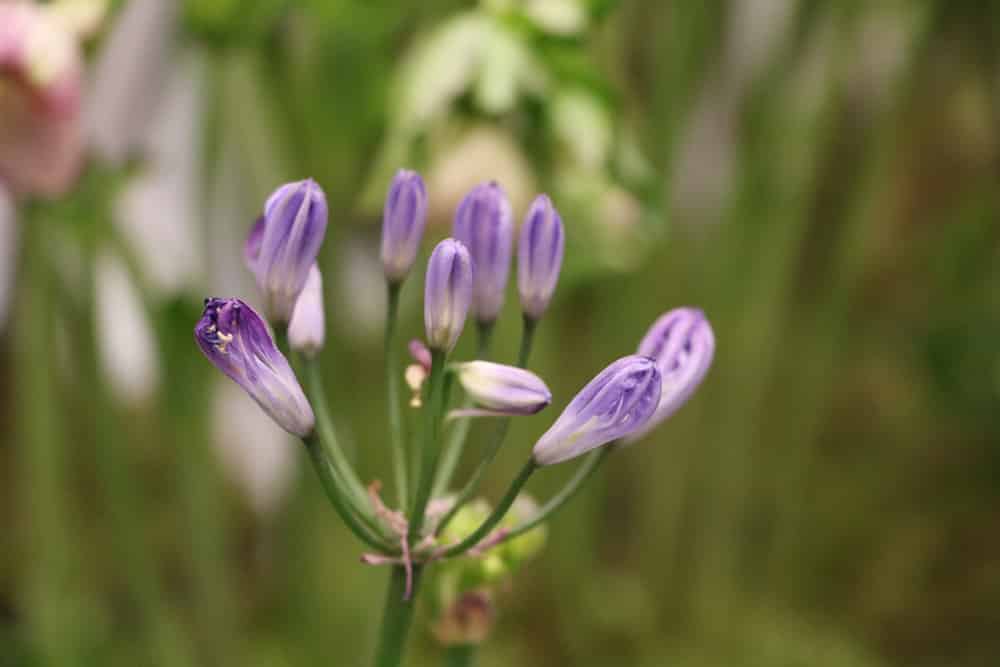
(307, 329)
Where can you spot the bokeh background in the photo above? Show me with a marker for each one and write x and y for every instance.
(821, 177)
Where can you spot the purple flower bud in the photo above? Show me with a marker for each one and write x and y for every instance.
(483, 222)
(307, 329)
(682, 344)
(501, 389)
(539, 256)
(282, 247)
(237, 341)
(447, 293)
(403, 222)
(620, 400)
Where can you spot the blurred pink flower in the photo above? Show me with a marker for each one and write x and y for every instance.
(40, 88)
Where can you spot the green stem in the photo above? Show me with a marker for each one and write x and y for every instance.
(397, 617)
(573, 486)
(484, 529)
(485, 330)
(430, 449)
(527, 339)
(491, 451)
(461, 655)
(472, 485)
(392, 398)
(460, 431)
(357, 495)
(42, 448)
(333, 486)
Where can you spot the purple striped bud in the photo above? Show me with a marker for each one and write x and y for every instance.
(236, 340)
(283, 246)
(619, 401)
(501, 389)
(447, 293)
(682, 344)
(483, 222)
(403, 222)
(539, 256)
(307, 329)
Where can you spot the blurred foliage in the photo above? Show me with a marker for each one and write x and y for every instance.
(820, 177)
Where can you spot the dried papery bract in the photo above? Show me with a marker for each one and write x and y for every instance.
(619, 401)
(447, 294)
(483, 222)
(682, 343)
(236, 340)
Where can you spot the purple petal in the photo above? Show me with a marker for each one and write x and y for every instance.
(251, 249)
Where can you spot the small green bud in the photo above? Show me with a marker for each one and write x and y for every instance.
(517, 551)
(493, 567)
(466, 521)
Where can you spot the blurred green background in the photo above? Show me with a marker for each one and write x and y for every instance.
(820, 177)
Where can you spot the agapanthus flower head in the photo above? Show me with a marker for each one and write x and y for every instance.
(403, 221)
(682, 343)
(236, 339)
(539, 256)
(483, 222)
(618, 402)
(499, 389)
(307, 329)
(41, 143)
(284, 242)
(447, 294)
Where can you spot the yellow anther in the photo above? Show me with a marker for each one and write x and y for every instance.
(226, 340)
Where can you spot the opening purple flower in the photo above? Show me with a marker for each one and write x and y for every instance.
(483, 222)
(619, 401)
(235, 338)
